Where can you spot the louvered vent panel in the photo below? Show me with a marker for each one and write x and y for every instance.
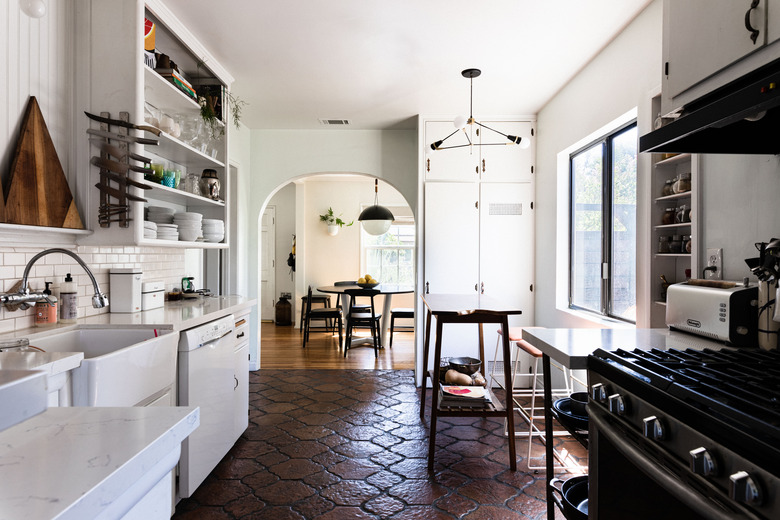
(497, 208)
(334, 122)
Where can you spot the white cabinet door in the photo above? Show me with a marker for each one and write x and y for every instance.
(702, 37)
(505, 161)
(457, 164)
(506, 263)
(241, 389)
(451, 237)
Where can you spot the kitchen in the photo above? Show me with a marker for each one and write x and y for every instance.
(738, 205)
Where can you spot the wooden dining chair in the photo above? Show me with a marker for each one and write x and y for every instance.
(361, 315)
(321, 313)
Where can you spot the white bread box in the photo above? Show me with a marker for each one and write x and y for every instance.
(152, 295)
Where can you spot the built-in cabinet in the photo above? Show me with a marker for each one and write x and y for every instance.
(675, 226)
(707, 44)
(115, 79)
(479, 226)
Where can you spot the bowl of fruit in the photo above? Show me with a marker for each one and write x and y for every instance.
(367, 282)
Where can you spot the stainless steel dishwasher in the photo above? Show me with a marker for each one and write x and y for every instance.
(206, 379)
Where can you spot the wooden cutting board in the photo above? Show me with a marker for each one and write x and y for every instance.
(38, 192)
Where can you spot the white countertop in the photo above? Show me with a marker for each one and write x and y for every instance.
(571, 347)
(73, 463)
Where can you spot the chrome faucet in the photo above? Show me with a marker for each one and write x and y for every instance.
(24, 296)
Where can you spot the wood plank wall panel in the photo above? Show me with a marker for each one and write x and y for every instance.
(36, 60)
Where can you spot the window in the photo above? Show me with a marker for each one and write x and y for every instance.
(390, 257)
(602, 265)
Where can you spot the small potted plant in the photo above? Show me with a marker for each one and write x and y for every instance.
(333, 222)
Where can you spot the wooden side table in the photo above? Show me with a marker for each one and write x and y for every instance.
(479, 309)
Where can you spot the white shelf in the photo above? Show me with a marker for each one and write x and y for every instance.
(675, 196)
(673, 160)
(154, 242)
(672, 255)
(182, 153)
(673, 226)
(162, 94)
(166, 194)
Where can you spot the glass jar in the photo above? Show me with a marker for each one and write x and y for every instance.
(192, 183)
(667, 189)
(675, 244)
(668, 216)
(683, 183)
(663, 244)
(686, 244)
(682, 215)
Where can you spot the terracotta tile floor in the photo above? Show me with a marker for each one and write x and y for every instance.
(349, 444)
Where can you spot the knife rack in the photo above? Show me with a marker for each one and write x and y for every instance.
(115, 199)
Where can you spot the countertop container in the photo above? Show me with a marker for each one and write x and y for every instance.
(125, 289)
(152, 295)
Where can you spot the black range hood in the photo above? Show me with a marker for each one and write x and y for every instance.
(742, 117)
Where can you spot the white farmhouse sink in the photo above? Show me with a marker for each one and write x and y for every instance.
(121, 367)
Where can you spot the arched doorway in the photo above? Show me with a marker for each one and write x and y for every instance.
(322, 259)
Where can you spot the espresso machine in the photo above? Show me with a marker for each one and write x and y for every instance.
(766, 267)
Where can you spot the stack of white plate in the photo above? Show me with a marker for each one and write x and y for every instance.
(189, 225)
(150, 230)
(167, 232)
(160, 214)
(213, 230)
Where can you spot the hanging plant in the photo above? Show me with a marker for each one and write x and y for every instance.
(334, 223)
(210, 99)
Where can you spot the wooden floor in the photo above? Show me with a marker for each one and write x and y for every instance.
(280, 348)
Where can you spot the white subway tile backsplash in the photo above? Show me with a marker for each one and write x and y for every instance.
(157, 263)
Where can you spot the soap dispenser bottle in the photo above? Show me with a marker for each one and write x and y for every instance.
(46, 309)
(69, 295)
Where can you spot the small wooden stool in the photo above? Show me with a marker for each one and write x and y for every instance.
(400, 312)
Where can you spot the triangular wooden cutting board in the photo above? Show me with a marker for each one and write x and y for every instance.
(38, 192)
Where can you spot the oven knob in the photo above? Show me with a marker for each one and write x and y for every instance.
(598, 393)
(743, 488)
(703, 463)
(618, 404)
(653, 428)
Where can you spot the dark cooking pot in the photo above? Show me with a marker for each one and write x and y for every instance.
(573, 496)
(578, 402)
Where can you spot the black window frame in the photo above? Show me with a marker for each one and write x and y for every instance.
(607, 231)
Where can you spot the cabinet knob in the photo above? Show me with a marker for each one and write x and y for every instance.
(703, 463)
(743, 488)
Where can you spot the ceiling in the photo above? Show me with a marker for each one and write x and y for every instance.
(379, 63)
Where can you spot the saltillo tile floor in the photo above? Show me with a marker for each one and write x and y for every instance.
(349, 445)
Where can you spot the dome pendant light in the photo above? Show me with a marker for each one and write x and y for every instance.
(462, 122)
(376, 219)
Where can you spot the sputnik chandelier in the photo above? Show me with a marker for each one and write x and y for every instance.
(461, 122)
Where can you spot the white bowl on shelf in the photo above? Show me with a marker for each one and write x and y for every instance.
(188, 235)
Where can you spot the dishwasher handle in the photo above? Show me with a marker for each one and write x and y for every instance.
(228, 333)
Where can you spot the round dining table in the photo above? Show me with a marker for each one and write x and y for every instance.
(385, 289)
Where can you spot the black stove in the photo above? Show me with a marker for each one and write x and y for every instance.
(705, 424)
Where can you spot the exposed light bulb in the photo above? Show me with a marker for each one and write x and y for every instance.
(460, 122)
(33, 8)
(525, 142)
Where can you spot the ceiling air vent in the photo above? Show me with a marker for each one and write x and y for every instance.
(334, 122)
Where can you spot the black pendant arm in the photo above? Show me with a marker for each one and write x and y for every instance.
(512, 138)
(437, 145)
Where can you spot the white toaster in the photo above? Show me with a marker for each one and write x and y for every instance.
(729, 315)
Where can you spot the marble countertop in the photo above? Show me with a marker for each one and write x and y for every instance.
(571, 347)
(75, 463)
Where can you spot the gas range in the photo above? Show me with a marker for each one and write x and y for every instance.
(702, 424)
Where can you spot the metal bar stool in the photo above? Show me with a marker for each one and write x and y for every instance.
(400, 312)
(533, 412)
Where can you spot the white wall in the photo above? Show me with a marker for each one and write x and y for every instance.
(613, 83)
